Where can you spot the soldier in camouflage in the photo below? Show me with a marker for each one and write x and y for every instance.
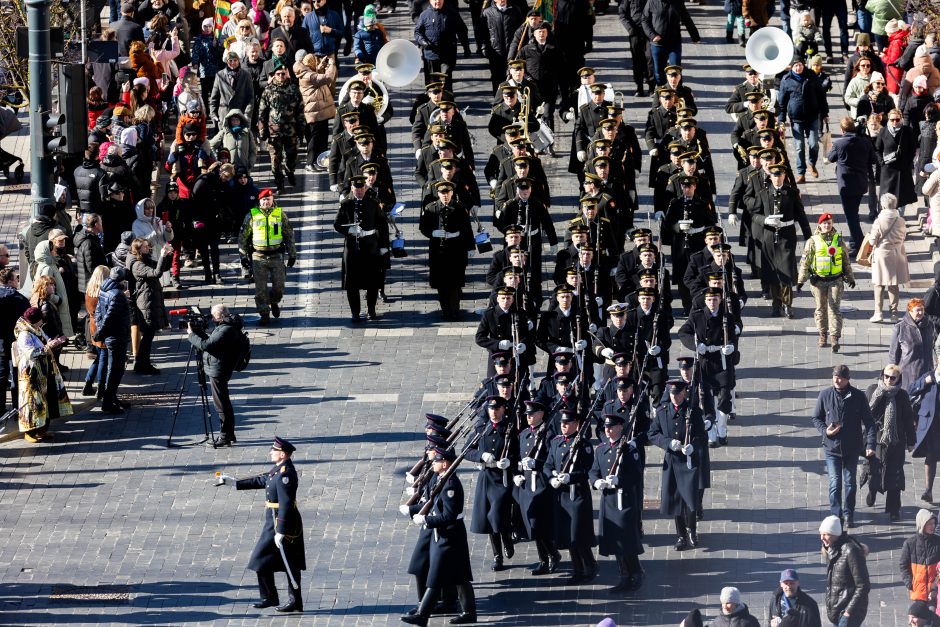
(280, 118)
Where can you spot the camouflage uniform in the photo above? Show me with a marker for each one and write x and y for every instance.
(281, 114)
(267, 265)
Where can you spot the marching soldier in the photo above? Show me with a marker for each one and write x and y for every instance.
(610, 340)
(650, 323)
(465, 183)
(501, 329)
(585, 127)
(519, 77)
(686, 373)
(529, 168)
(422, 118)
(719, 272)
(365, 153)
(752, 83)
(449, 553)
(559, 361)
(689, 165)
(578, 235)
(455, 129)
(341, 144)
(695, 141)
(569, 460)
(684, 96)
(607, 390)
(678, 429)
(494, 274)
(714, 336)
(625, 401)
(266, 235)
(446, 223)
(701, 258)
(365, 251)
(736, 202)
(531, 213)
(497, 451)
(423, 97)
(561, 326)
(500, 153)
(617, 474)
(600, 231)
(532, 492)
(280, 547)
(367, 115)
(776, 211)
(658, 123)
(687, 217)
(280, 117)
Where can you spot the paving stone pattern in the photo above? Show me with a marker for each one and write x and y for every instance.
(110, 509)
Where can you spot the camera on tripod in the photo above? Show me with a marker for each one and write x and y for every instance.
(192, 317)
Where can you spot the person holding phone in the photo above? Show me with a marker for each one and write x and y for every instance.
(841, 413)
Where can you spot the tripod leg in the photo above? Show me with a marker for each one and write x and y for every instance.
(179, 399)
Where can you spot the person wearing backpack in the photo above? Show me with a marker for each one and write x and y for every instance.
(225, 351)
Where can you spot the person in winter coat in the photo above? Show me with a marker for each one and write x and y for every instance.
(791, 603)
(919, 557)
(187, 162)
(317, 77)
(923, 66)
(12, 306)
(236, 136)
(882, 12)
(662, 21)
(149, 311)
(896, 147)
(369, 39)
(206, 56)
(232, 89)
(932, 301)
(889, 267)
(88, 177)
(897, 42)
(927, 394)
(36, 231)
(875, 99)
(894, 423)
(734, 612)
(150, 226)
(854, 90)
(324, 27)
(42, 396)
(437, 31)
(89, 253)
(112, 327)
(847, 581)
(194, 116)
(501, 21)
(209, 203)
(862, 49)
(912, 342)
(117, 172)
(931, 190)
(802, 100)
(45, 255)
(914, 110)
(96, 375)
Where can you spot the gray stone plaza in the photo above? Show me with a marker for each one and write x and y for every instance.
(108, 525)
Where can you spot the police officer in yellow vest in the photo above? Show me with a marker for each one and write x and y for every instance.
(827, 265)
(266, 236)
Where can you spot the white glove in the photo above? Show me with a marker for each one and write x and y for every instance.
(581, 156)
(418, 153)
(732, 219)
(685, 225)
(355, 230)
(708, 425)
(687, 449)
(659, 216)
(487, 458)
(440, 233)
(737, 329)
(599, 300)
(600, 484)
(227, 480)
(567, 116)
(530, 324)
(702, 349)
(418, 519)
(564, 478)
(608, 353)
(403, 509)
(554, 482)
(492, 183)
(518, 480)
(380, 119)
(540, 110)
(520, 347)
(632, 445)
(410, 491)
(503, 464)
(675, 445)
(727, 349)
(279, 540)
(471, 254)
(528, 463)
(612, 480)
(654, 152)
(771, 221)
(409, 478)
(505, 345)
(655, 350)
(580, 345)
(613, 272)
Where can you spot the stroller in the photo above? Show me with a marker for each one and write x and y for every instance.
(9, 123)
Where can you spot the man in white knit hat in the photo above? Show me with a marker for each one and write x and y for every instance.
(847, 580)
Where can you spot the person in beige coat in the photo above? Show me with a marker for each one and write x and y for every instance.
(317, 76)
(931, 190)
(889, 260)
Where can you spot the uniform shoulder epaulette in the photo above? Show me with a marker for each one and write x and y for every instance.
(557, 437)
(496, 107)
(603, 219)
(283, 469)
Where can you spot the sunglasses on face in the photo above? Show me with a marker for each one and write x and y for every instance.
(894, 119)
(889, 377)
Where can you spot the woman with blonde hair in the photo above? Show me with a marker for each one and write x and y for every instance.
(47, 301)
(98, 370)
(42, 395)
(889, 267)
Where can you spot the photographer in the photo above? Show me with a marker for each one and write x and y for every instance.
(221, 350)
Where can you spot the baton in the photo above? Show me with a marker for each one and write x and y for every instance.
(290, 575)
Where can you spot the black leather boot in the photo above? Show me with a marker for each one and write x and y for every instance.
(497, 544)
(295, 602)
(267, 590)
(424, 609)
(468, 602)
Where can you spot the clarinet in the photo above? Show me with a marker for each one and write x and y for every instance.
(686, 215)
(776, 211)
(440, 223)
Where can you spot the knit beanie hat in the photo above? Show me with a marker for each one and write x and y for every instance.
(831, 525)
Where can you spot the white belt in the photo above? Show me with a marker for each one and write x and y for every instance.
(367, 233)
(696, 230)
(451, 235)
(712, 349)
(535, 232)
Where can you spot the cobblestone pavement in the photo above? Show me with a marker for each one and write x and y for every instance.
(107, 525)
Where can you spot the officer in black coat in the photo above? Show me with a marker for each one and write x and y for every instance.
(617, 475)
(281, 544)
(529, 212)
(752, 83)
(714, 335)
(500, 260)
(342, 143)
(367, 117)
(701, 258)
(683, 226)
(566, 468)
(497, 451)
(679, 430)
(633, 404)
(421, 122)
(446, 223)
(532, 492)
(658, 122)
(501, 329)
(612, 339)
(720, 272)
(562, 360)
(650, 323)
(449, 552)
(562, 326)
(585, 126)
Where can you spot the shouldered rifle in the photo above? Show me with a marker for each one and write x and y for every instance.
(424, 466)
(455, 425)
(442, 480)
(537, 444)
(689, 397)
(514, 327)
(568, 466)
(597, 265)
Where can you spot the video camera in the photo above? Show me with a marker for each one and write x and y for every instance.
(192, 317)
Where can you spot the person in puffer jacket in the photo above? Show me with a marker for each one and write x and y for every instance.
(919, 556)
(734, 612)
(88, 177)
(847, 580)
(236, 137)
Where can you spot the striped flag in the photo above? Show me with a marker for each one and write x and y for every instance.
(223, 8)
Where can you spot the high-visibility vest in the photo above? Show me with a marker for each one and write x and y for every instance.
(824, 264)
(266, 230)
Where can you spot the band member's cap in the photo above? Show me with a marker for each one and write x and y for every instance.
(523, 182)
(365, 68)
(357, 180)
(513, 229)
(748, 69)
(443, 454)
(512, 250)
(621, 359)
(688, 180)
(571, 271)
(648, 248)
(673, 69)
(685, 361)
(543, 24)
(533, 406)
(519, 141)
(512, 129)
(713, 230)
(777, 168)
(769, 154)
(507, 89)
(446, 143)
(611, 420)
(501, 357)
(447, 163)
(649, 273)
(512, 270)
(446, 105)
(587, 248)
(506, 291)
(264, 193)
(721, 247)
(684, 112)
(676, 385)
(713, 291)
(438, 420)
(495, 402)
(623, 382)
(436, 440)
(517, 63)
(562, 289)
(586, 71)
(351, 116)
(434, 85)
(752, 151)
(357, 86)
(440, 77)
(588, 201)
(598, 88)
(754, 96)
(767, 133)
(617, 308)
(600, 142)
(365, 138)
(438, 129)
(444, 186)
(502, 379)
(688, 156)
(715, 276)
(600, 160)
(609, 122)
(687, 123)
(665, 91)
(762, 114)
(280, 444)
(590, 177)
(569, 415)
(563, 377)
(439, 431)
(369, 168)
(614, 110)
(521, 159)
(645, 291)
(578, 227)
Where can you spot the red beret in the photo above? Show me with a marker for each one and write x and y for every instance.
(265, 193)
(824, 217)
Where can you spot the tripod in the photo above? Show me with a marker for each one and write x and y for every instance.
(203, 394)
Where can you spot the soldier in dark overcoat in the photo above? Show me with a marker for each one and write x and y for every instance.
(446, 222)
(566, 468)
(617, 475)
(281, 543)
(678, 429)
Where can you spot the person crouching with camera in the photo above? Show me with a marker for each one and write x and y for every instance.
(221, 351)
